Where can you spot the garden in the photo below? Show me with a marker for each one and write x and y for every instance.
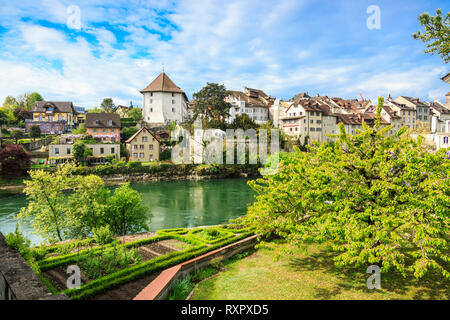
(108, 262)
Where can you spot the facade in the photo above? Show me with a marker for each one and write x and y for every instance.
(80, 116)
(52, 116)
(407, 114)
(143, 146)
(392, 117)
(122, 111)
(163, 101)
(103, 126)
(423, 119)
(62, 151)
(253, 102)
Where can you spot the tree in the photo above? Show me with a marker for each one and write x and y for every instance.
(376, 198)
(107, 105)
(436, 34)
(86, 206)
(210, 105)
(30, 100)
(80, 130)
(35, 131)
(47, 201)
(15, 161)
(17, 134)
(80, 151)
(95, 110)
(127, 132)
(125, 212)
(135, 114)
(244, 122)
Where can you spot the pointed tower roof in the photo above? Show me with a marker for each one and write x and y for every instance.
(163, 83)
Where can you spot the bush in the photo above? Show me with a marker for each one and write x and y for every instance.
(133, 165)
(19, 242)
(103, 235)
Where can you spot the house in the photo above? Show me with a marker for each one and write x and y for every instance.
(122, 111)
(104, 126)
(163, 101)
(61, 152)
(392, 117)
(253, 102)
(143, 146)
(80, 116)
(446, 78)
(52, 116)
(423, 119)
(407, 114)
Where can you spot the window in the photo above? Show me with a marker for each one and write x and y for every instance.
(319, 121)
(95, 130)
(104, 130)
(312, 121)
(135, 147)
(141, 155)
(173, 109)
(113, 150)
(151, 158)
(312, 129)
(40, 118)
(144, 139)
(151, 147)
(57, 151)
(425, 118)
(111, 130)
(319, 129)
(50, 118)
(151, 94)
(445, 140)
(173, 94)
(102, 150)
(151, 110)
(173, 101)
(141, 147)
(68, 150)
(420, 117)
(60, 117)
(151, 100)
(135, 155)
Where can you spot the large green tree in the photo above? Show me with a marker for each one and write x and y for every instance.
(375, 198)
(210, 105)
(35, 131)
(107, 105)
(126, 213)
(436, 33)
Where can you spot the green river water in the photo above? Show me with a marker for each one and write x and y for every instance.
(173, 204)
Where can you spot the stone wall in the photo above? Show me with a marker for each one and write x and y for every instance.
(17, 280)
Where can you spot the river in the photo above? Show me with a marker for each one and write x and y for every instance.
(172, 204)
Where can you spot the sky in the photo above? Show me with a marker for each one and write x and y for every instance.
(84, 51)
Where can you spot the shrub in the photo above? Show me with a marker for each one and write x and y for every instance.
(133, 165)
(103, 235)
(15, 161)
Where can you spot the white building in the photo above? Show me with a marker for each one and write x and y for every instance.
(253, 102)
(163, 101)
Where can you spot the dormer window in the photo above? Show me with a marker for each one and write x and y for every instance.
(109, 122)
(97, 122)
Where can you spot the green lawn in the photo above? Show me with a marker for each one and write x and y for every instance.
(312, 276)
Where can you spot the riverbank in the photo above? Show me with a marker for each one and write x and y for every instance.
(117, 175)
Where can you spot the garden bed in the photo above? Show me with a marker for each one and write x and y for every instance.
(125, 263)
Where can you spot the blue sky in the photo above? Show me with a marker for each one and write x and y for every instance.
(281, 47)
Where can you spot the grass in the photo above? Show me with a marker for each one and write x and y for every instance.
(181, 289)
(313, 276)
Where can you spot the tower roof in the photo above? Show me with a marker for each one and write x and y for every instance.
(162, 83)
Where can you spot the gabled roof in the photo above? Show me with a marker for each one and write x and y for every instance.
(102, 120)
(163, 83)
(391, 112)
(58, 106)
(439, 108)
(414, 101)
(138, 132)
